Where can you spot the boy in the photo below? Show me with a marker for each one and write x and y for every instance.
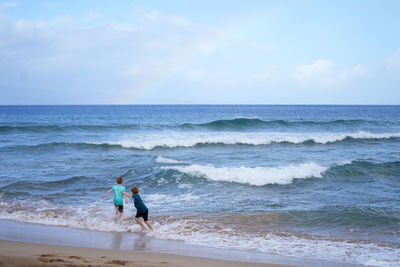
(118, 203)
(142, 210)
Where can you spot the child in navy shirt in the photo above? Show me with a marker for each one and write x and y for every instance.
(142, 210)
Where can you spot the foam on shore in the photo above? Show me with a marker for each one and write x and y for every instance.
(210, 231)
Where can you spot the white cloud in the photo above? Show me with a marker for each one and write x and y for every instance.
(179, 21)
(391, 64)
(8, 4)
(195, 75)
(205, 48)
(50, 5)
(92, 16)
(270, 73)
(356, 72)
(24, 25)
(322, 73)
(56, 60)
(153, 15)
(58, 55)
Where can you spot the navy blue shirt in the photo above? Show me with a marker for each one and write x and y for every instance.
(139, 205)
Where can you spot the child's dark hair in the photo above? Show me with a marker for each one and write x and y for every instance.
(119, 180)
(135, 190)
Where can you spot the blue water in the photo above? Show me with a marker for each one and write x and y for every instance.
(290, 180)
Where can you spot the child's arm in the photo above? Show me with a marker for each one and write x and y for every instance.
(125, 194)
(108, 192)
(126, 199)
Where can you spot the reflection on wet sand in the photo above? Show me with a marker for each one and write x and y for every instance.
(141, 242)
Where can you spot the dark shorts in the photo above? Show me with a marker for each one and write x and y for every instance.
(144, 215)
(120, 208)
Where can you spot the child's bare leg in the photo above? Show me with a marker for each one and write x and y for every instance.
(141, 224)
(116, 210)
(149, 225)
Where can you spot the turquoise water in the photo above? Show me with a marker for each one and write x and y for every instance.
(290, 180)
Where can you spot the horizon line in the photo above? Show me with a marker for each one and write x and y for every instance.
(4, 105)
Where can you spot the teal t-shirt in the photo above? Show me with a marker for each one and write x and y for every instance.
(118, 196)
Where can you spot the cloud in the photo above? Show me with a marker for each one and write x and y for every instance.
(391, 64)
(24, 25)
(270, 73)
(63, 56)
(196, 75)
(92, 16)
(50, 5)
(8, 4)
(153, 57)
(320, 73)
(357, 72)
(322, 81)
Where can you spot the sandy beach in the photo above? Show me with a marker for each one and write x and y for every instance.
(25, 244)
(30, 254)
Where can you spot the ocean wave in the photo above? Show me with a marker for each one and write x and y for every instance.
(257, 176)
(232, 231)
(160, 159)
(46, 185)
(282, 175)
(219, 125)
(173, 140)
(62, 128)
(254, 123)
(365, 169)
(187, 140)
(44, 146)
(339, 217)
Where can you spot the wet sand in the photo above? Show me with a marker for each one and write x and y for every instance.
(26, 244)
(22, 254)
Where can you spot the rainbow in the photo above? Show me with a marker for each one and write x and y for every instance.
(142, 87)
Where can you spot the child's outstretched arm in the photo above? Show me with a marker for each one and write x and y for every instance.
(108, 192)
(125, 194)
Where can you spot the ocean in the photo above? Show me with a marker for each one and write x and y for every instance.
(315, 182)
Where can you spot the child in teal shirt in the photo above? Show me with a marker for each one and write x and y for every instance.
(118, 196)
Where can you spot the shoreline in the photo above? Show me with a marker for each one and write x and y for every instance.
(22, 236)
(23, 254)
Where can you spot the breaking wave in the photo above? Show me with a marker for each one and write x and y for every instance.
(160, 159)
(254, 123)
(283, 175)
(254, 176)
(153, 141)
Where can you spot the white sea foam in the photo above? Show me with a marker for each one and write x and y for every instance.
(157, 200)
(254, 176)
(209, 233)
(160, 159)
(92, 217)
(185, 139)
(201, 230)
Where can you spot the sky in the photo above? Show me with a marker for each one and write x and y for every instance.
(199, 52)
